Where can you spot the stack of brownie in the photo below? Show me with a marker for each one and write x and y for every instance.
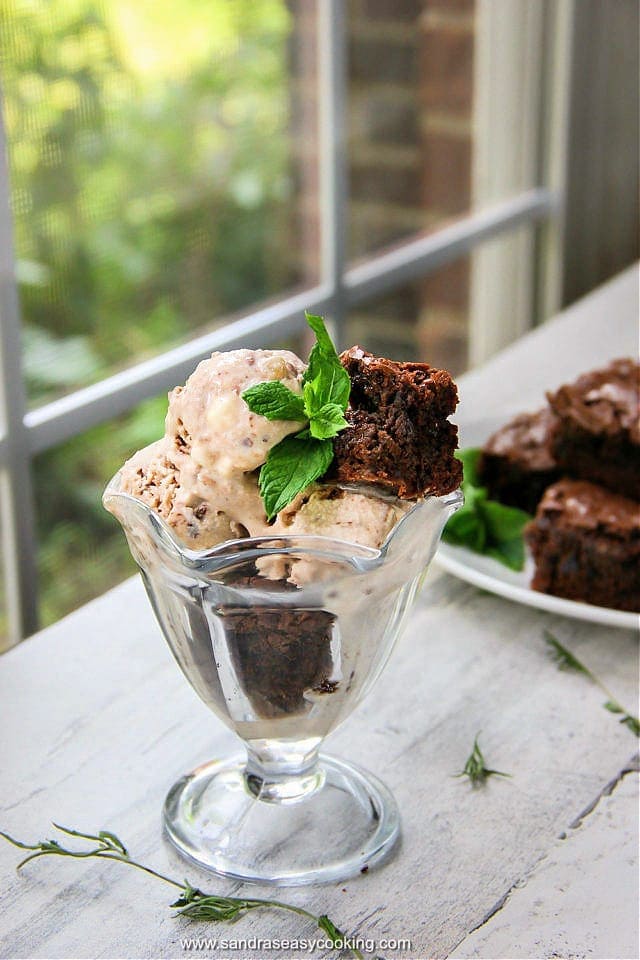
(576, 463)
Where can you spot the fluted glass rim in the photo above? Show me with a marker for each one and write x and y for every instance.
(248, 548)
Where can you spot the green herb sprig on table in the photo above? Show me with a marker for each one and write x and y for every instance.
(192, 902)
(301, 458)
(483, 525)
(476, 769)
(566, 660)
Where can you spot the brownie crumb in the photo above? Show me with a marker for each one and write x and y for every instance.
(326, 686)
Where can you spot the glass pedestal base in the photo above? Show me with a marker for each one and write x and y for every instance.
(346, 821)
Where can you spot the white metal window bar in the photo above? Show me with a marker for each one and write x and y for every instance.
(24, 434)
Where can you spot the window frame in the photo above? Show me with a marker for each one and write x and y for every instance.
(24, 433)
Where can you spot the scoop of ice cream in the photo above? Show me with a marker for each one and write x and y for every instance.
(209, 420)
(199, 477)
(329, 511)
(164, 479)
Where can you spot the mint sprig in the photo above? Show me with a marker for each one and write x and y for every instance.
(301, 458)
(291, 466)
(483, 525)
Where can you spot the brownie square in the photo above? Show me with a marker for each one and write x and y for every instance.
(585, 542)
(597, 435)
(399, 436)
(517, 464)
(279, 652)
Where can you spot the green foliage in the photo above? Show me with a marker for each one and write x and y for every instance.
(82, 550)
(152, 184)
(151, 178)
(484, 525)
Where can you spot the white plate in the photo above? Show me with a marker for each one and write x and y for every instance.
(493, 576)
(490, 575)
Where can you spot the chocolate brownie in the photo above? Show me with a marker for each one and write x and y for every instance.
(399, 436)
(517, 464)
(279, 652)
(597, 435)
(585, 542)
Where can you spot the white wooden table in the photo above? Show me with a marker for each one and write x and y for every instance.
(97, 722)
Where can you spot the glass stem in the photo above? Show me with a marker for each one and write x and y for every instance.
(283, 771)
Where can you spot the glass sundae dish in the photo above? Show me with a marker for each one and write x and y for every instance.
(280, 617)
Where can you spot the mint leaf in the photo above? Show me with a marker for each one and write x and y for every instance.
(474, 496)
(324, 342)
(466, 529)
(483, 525)
(325, 381)
(503, 523)
(326, 378)
(470, 458)
(291, 466)
(510, 553)
(273, 400)
(309, 397)
(327, 422)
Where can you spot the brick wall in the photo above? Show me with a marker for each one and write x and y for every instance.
(446, 96)
(303, 60)
(410, 144)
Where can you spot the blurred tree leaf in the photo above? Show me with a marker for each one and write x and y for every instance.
(32, 274)
(53, 362)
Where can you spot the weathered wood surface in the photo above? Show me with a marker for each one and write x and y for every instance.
(577, 901)
(97, 722)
